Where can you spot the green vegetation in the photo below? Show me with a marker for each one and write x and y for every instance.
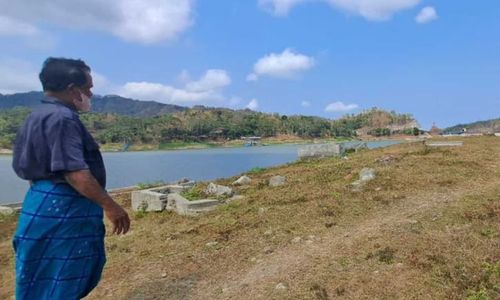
(194, 193)
(148, 185)
(201, 127)
(487, 126)
(256, 170)
(10, 121)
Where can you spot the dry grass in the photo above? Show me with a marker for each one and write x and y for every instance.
(426, 228)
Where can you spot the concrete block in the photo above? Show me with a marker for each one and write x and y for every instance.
(5, 210)
(444, 144)
(320, 150)
(148, 200)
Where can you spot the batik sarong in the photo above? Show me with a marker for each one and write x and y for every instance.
(59, 243)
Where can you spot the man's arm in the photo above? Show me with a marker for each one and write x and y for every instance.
(84, 183)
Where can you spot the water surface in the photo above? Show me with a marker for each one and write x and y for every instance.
(130, 168)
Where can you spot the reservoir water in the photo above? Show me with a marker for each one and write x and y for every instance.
(129, 168)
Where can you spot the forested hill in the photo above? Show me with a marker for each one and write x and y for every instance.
(200, 124)
(488, 126)
(100, 104)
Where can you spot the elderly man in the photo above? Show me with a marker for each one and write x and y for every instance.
(59, 241)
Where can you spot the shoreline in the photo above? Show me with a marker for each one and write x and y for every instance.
(114, 148)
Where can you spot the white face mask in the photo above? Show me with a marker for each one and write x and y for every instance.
(84, 104)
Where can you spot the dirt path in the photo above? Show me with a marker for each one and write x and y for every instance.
(290, 263)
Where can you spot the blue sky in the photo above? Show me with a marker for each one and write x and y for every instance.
(435, 59)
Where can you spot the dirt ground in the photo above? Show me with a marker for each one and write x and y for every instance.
(427, 227)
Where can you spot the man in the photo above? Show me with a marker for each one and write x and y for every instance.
(59, 240)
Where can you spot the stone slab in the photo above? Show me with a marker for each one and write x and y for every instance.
(319, 150)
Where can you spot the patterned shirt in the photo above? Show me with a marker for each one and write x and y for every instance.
(53, 141)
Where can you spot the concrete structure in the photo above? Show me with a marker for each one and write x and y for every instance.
(320, 150)
(330, 149)
(444, 144)
(5, 210)
(168, 198)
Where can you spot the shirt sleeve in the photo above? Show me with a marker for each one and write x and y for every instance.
(66, 145)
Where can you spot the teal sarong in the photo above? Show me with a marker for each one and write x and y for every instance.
(59, 243)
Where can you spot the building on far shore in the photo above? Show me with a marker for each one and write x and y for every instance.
(435, 131)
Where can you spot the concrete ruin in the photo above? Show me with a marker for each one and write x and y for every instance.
(444, 144)
(169, 198)
(330, 149)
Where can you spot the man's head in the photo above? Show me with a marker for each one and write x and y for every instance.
(68, 80)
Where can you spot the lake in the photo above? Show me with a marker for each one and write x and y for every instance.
(129, 168)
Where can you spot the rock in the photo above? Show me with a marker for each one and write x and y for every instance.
(268, 250)
(277, 180)
(386, 159)
(218, 190)
(234, 198)
(5, 210)
(262, 210)
(163, 275)
(211, 244)
(268, 232)
(367, 174)
(243, 180)
(281, 286)
(183, 180)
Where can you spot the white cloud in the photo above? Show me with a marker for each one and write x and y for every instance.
(146, 21)
(340, 107)
(305, 103)
(279, 7)
(426, 15)
(18, 76)
(284, 65)
(11, 27)
(212, 80)
(102, 85)
(374, 10)
(253, 104)
(207, 88)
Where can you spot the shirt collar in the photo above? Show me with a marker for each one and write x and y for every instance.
(53, 100)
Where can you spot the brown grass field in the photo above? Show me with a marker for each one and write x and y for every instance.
(428, 227)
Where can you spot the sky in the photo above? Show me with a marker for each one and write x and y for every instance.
(438, 60)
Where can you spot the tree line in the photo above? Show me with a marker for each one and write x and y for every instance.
(208, 124)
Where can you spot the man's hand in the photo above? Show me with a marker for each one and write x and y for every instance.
(118, 217)
(87, 185)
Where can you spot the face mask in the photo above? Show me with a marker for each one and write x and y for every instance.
(84, 104)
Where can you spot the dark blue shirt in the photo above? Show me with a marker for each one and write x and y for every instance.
(53, 141)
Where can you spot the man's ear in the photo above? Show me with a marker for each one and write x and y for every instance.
(73, 90)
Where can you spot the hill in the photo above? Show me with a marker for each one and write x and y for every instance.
(100, 104)
(427, 226)
(118, 120)
(486, 127)
(201, 125)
